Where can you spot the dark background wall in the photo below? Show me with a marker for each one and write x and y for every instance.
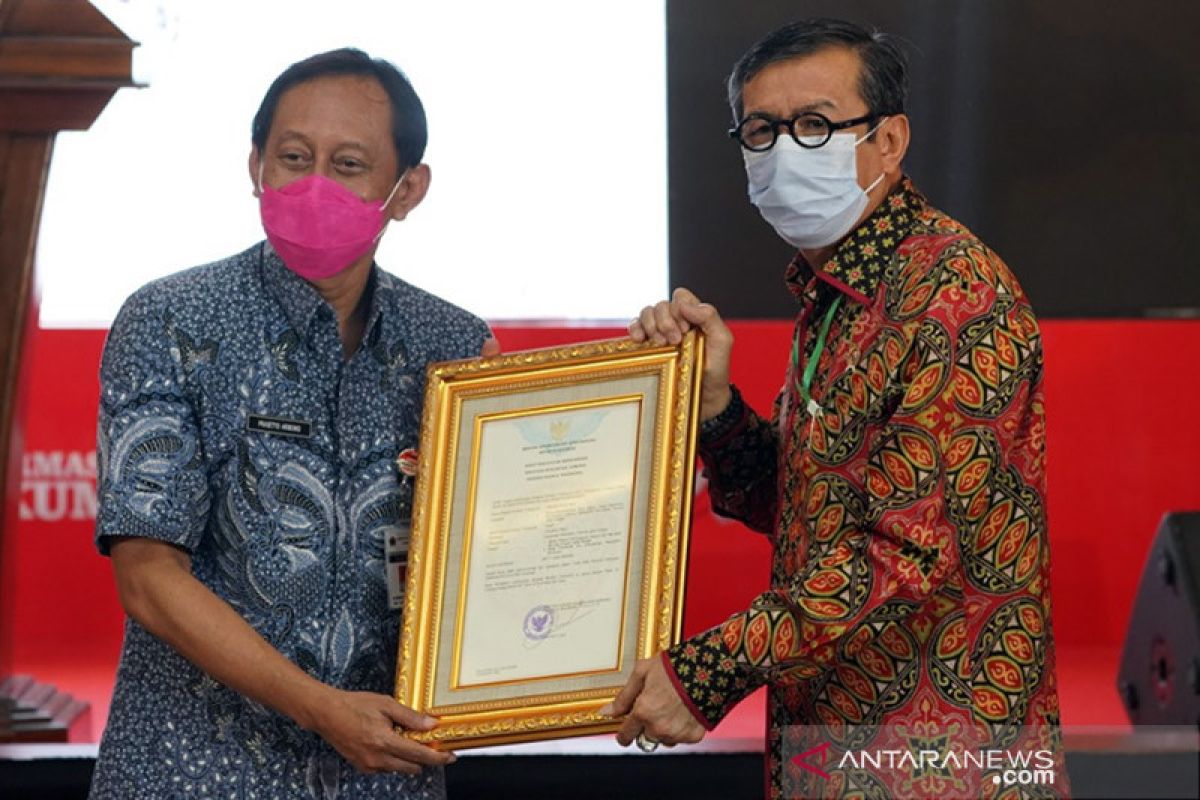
(1064, 132)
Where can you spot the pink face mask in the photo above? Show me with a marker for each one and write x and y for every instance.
(319, 227)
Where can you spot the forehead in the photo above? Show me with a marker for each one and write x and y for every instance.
(824, 81)
(335, 107)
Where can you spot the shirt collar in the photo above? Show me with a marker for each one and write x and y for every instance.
(300, 300)
(382, 287)
(858, 263)
(296, 296)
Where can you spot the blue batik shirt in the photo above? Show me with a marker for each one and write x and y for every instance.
(232, 426)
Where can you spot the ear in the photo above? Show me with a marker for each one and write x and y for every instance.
(892, 138)
(255, 163)
(410, 193)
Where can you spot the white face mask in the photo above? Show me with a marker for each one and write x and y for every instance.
(811, 197)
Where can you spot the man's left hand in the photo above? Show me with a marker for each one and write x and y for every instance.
(655, 709)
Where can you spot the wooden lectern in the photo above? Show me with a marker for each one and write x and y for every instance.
(61, 61)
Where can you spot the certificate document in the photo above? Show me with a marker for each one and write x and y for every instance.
(549, 538)
(548, 543)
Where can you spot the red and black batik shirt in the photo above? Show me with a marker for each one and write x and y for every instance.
(910, 585)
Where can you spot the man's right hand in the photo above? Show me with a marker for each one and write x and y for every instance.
(361, 726)
(159, 591)
(667, 322)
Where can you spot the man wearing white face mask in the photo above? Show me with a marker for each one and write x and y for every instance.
(901, 476)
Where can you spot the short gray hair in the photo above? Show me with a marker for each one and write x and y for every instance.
(883, 83)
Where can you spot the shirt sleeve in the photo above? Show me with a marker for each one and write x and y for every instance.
(740, 452)
(918, 479)
(151, 480)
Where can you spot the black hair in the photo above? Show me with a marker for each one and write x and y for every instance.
(409, 132)
(882, 83)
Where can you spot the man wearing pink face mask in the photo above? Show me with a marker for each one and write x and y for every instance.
(257, 421)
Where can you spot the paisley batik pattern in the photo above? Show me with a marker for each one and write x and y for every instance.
(911, 569)
(289, 530)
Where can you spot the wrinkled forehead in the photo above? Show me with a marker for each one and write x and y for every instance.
(337, 106)
(826, 80)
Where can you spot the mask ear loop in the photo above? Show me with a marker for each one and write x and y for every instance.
(866, 136)
(261, 166)
(388, 220)
(871, 132)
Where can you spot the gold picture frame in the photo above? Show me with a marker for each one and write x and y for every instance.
(559, 480)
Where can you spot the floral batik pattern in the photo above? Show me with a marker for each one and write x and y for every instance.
(290, 528)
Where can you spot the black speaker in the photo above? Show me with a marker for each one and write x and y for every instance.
(1159, 679)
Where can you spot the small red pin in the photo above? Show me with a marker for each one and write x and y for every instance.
(407, 463)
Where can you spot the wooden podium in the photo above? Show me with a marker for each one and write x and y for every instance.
(61, 61)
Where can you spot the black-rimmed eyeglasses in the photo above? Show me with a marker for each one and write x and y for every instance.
(810, 130)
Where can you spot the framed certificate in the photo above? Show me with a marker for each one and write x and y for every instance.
(550, 534)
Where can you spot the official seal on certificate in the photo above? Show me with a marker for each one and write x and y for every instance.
(539, 622)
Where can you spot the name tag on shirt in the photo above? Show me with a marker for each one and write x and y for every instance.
(279, 426)
(395, 545)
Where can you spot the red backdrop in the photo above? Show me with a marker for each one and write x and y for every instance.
(1124, 438)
